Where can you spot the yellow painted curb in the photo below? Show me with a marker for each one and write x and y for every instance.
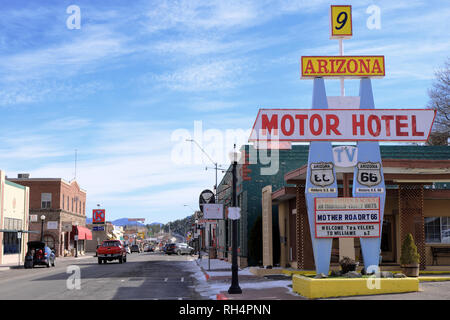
(326, 288)
(425, 279)
(299, 272)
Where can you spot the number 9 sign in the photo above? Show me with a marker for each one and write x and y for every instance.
(341, 22)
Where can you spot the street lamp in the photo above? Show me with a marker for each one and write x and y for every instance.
(234, 288)
(42, 227)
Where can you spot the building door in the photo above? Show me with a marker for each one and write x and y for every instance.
(388, 239)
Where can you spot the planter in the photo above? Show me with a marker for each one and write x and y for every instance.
(410, 270)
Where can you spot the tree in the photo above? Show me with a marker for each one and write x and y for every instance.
(440, 101)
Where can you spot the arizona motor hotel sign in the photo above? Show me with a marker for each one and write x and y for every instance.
(342, 125)
(342, 66)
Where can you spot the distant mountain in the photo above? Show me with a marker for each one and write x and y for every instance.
(156, 223)
(121, 222)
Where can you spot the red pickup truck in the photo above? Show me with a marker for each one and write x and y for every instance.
(111, 250)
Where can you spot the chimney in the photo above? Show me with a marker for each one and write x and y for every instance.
(23, 176)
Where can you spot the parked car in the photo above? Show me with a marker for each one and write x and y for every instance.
(135, 248)
(111, 250)
(183, 248)
(179, 249)
(39, 254)
(149, 248)
(170, 248)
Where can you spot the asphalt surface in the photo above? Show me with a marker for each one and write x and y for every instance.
(145, 276)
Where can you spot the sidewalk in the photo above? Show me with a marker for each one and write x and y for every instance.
(275, 287)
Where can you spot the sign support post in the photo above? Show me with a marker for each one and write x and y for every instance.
(368, 179)
(320, 182)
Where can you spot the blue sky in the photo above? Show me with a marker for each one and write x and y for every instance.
(120, 88)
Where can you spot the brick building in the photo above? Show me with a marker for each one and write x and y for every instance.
(63, 204)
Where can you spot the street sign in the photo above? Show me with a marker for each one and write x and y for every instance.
(33, 218)
(213, 211)
(206, 197)
(98, 216)
(52, 225)
(98, 228)
(324, 124)
(234, 213)
(342, 66)
(341, 22)
(67, 226)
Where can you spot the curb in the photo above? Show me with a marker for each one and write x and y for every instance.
(203, 270)
(221, 296)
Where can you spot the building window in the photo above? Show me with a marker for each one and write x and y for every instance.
(84, 212)
(437, 229)
(49, 242)
(46, 200)
(63, 200)
(72, 205)
(11, 244)
(12, 224)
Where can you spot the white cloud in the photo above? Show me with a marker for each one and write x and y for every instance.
(214, 75)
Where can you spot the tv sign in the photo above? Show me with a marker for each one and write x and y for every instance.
(98, 216)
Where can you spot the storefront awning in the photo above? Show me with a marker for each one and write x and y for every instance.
(82, 232)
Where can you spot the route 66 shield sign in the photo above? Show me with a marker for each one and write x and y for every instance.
(369, 173)
(322, 174)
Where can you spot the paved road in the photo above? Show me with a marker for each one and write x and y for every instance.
(143, 276)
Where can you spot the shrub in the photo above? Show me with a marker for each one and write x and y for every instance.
(409, 251)
(348, 264)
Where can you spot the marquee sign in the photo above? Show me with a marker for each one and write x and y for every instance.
(343, 125)
(342, 66)
(347, 217)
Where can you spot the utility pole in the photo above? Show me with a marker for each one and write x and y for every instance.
(216, 198)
